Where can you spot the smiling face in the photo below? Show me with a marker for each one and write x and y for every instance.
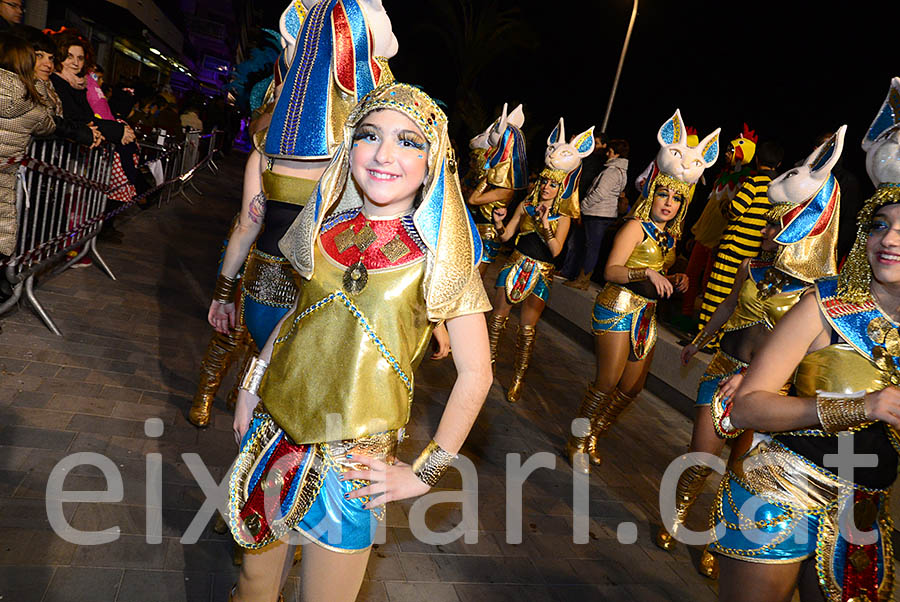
(883, 245)
(74, 61)
(388, 161)
(666, 204)
(43, 65)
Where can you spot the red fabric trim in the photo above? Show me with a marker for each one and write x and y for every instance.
(344, 59)
(372, 258)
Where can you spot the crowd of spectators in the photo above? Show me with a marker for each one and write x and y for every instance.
(52, 86)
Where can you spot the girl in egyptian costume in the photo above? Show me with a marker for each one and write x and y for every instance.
(624, 318)
(310, 101)
(387, 249)
(808, 506)
(540, 223)
(498, 168)
(798, 248)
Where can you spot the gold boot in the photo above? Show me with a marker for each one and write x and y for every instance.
(590, 404)
(212, 368)
(495, 324)
(524, 347)
(709, 565)
(603, 421)
(690, 484)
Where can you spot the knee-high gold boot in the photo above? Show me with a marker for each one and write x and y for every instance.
(213, 366)
(690, 484)
(590, 405)
(603, 421)
(496, 324)
(524, 347)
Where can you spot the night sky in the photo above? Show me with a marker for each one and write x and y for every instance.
(790, 69)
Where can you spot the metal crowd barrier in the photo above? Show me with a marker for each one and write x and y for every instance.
(55, 216)
(61, 199)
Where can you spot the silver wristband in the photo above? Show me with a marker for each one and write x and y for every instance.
(253, 376)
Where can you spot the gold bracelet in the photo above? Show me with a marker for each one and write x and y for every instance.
(702, 339)
(432, 463)
(839, 412)
(254, 375)
(225, 287)
(635, 274)
(545, 233)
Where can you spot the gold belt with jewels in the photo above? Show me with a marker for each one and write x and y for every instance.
(620, 300)
(269, 279)
(721, 365)
(544, 267)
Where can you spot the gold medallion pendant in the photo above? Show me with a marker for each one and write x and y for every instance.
(355, 278)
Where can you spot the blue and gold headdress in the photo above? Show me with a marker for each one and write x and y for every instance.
(332, 69)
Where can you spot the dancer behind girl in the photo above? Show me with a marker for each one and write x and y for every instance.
(780, 506)
(503, 169)
(385, 256)
(284, 168)
(542, 221)
(624, 319)
(798, 248)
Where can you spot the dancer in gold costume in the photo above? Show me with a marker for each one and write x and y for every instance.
(498, 168)
(541, 224)
(313, 95)
(799, 248)
(790, 513)
(387, 250)
(624, 318)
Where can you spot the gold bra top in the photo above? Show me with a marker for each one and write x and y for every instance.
(752, 310)
(287, 189)
(838, 368)
(648, 254)
(531, 223)
(351, 354)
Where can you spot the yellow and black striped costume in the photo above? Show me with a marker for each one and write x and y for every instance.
(741, 240)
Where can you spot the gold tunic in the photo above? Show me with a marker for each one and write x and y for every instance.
(287, 189)
(348, 355)
(837, 368)
(649, 254)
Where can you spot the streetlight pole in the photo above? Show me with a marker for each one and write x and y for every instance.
(612, 93)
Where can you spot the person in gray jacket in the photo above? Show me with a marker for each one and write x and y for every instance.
(599, 208)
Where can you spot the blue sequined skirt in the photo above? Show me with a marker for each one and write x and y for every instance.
(490, 250)
(310, 488)
(775, 507)
(268, 291)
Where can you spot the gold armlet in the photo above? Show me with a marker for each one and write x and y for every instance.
(635, 274)
(432, 463)
(253, 376)
(501, 229)
(839, 412)
(225, 287)
(702, 339)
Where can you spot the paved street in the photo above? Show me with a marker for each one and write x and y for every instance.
(131, 351)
